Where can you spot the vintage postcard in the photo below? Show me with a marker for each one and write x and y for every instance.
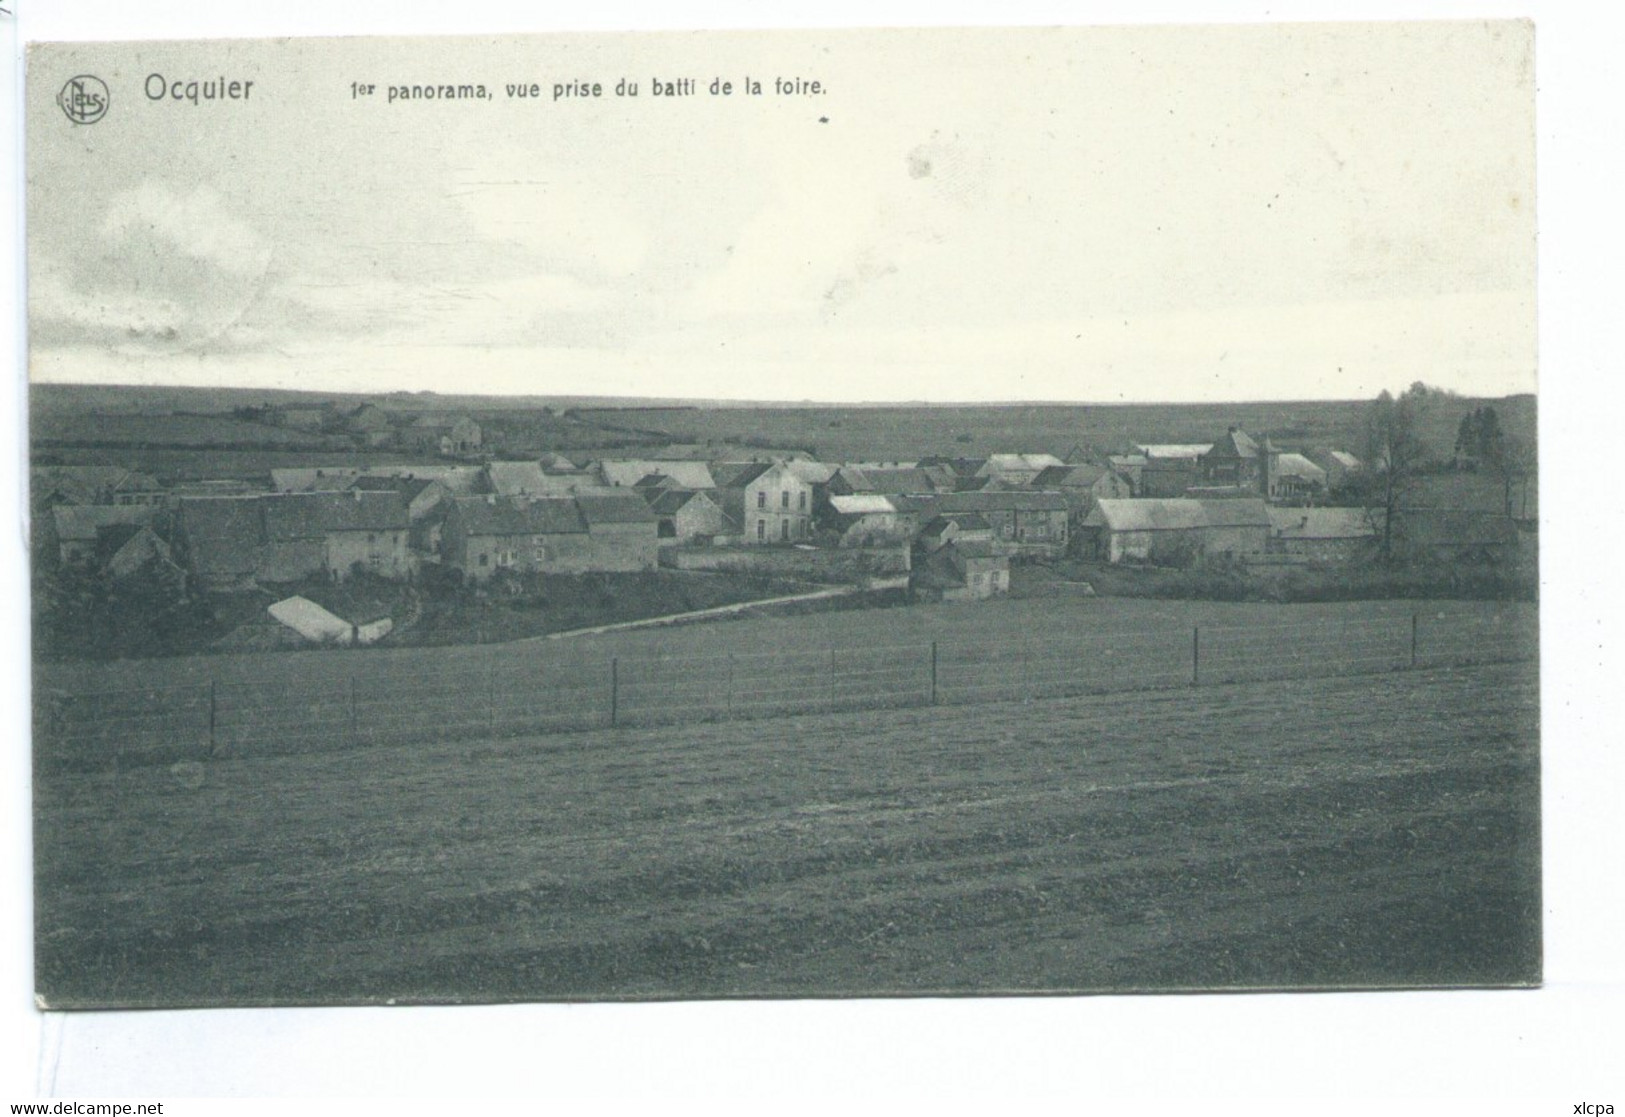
(783, 514)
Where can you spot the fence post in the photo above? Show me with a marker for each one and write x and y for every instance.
(211, 717)
(614, 690)
(355, 716)
(1196, 655)
(933, 672)
(491, 699)
(1413, 639)
(730, 684)
(832, 676)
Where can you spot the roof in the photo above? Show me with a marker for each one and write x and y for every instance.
(493, 515)
(1172, 450)
(862, 504)
(329, 478)
(976, 549)
(440, 422)
(555, 516)
(86, 483)
(736, 475)
(1340, 457)
(1177, 514)
(669, 502)
(1321, 523)
(814, 473)
(222, 533)
(615, 508)
(409, 488)
(1236, 443)
(1014, 500)
(1006, 462)
(968, 521)
(289, 516)
(687, 475)
(1296, 465)
(81, 522)
(520, 479)
(1068, 476)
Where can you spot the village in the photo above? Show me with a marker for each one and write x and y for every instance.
(457, 512)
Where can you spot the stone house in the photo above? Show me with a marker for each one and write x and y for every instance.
(769, 501)
(1178, 531)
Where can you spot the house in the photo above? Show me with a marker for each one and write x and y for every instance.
(907, 480)
(1017, 469)
(443, 434)
(484, 534)
(1298, 479)
(961, 571)
(371, 424)
(1022, 523)
(132, 552)
(421, 494)
(305, 533)
(1339, 465)
(1178, 531)
(685, 515)
(1322, 534)
(219, 540)
(769, 500)
(93, 484)
(233, 542)
(1129, 467)
(73, 532)
(1168, 469)
(1238, 462)
(863, 519)
(1085, 484)
(622, 530)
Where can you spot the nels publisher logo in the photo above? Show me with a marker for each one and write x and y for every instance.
(84, 99)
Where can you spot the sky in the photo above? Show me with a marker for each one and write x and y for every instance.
(1091, 215)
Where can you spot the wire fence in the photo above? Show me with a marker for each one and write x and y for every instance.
(529, 694)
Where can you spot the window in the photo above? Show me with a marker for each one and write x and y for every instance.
(485, 559)
(761, 530)
(784, 529)
(784, 499)
(801, 500)
(761, 500)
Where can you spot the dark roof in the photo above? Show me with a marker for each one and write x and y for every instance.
(312, 515)
(555, 516)
(1068, 476)
(888, 481)
(1236, 443)
(968, 521)
(222, 533)
(736, 475)
(615, 508)
(493, 516)
(668, 502)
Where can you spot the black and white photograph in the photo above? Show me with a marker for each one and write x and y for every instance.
(783, 514)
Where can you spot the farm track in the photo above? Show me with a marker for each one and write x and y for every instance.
(1332, 831)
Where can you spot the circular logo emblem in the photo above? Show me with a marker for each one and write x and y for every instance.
(84, 99)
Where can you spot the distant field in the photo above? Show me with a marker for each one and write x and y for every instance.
(200, 431)
(1324, 832)
(837, 433)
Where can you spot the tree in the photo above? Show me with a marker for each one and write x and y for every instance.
(1394, 457)
(1478, 438)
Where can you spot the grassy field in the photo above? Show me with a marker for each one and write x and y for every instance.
(1316, 833)
(258, 703)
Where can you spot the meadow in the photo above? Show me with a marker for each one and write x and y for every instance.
(1310, 833)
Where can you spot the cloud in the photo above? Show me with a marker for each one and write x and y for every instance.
(165, 270)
